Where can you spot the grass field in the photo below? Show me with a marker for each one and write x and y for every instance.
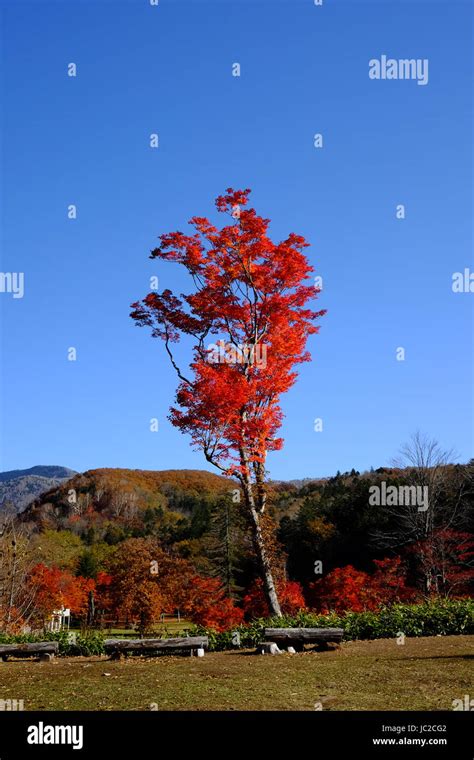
(424, 674)
(170, 627)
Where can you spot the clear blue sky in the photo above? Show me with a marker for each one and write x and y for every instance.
(168, 69)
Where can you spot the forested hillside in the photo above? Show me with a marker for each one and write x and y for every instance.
(330, 546)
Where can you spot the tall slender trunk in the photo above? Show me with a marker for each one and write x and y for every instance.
(265, 569)
(11, 596)
(227, 552)
(258, 539)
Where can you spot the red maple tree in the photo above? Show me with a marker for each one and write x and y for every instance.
(250, 299)
(55, 588)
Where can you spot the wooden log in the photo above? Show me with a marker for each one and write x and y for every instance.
(303, 635)
(152, 645)
(37, 647)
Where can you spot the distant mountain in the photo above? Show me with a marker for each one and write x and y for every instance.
(19, 488)
(41, 470)
(296, 482)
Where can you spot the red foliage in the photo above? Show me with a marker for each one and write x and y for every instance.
(389, 581)
(445, 561)
(290, 595)
(346, 588)
(253, 293)
(102, 591)
(208, 605)
(55, 588)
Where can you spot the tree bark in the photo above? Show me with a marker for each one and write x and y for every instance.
(258, 540)
(265, 569)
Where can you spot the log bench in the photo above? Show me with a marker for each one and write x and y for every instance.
(118, 647)
(298, 637)
(45, 650)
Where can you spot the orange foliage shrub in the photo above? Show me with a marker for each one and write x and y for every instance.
(55, 588)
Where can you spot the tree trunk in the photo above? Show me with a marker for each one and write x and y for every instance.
(265, 569)
(258, 540)
(228, 551)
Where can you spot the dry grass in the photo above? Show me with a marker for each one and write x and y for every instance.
(424, 674)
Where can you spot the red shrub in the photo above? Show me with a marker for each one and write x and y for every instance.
(346, 588)
(207, 604)
(290, 595)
